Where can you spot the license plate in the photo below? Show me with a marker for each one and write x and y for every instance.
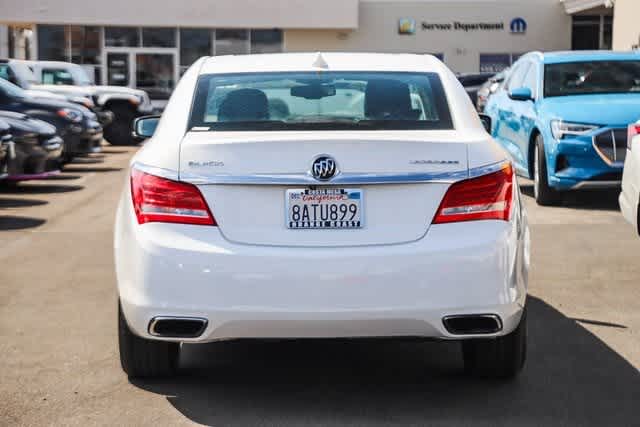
(324, 208)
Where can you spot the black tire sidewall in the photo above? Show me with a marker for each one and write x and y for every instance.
(545, 195)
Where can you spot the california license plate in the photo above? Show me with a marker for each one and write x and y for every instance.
(324, 208)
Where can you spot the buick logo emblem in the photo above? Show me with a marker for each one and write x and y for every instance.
(324, 168)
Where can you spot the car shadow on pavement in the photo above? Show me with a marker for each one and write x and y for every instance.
(20, 203)
(12, 223)
(64, 177)
(571, 378)
(606, 199)
(39, 188)
(87, 169)
(95, 158)
(112, 151)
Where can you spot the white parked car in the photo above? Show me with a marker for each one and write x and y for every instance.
(630, 195)
(268, 205)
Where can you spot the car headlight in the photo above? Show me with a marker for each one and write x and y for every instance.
(83, 101)
(559, 128)
(71, 115)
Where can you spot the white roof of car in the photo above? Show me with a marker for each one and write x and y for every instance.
(328, 61)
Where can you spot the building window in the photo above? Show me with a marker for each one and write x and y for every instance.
(496, 62)
(194, 43)
(231, 42)
(158, 37)
(85, 44)
(590, 32)
(266, 41)
(121, 36)
(52, 43)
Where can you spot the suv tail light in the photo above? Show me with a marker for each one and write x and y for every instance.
(632, 130)
(485, 197)
(157, 199)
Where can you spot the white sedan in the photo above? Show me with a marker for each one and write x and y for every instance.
(630, 195)
(320, 196)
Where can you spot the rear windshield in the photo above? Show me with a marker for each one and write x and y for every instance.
(320, 101)
(583, 78)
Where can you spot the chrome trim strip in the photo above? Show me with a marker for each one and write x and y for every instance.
(487, 169)
(308, 180)
(343, 178)
(597, 184)
(153, 170)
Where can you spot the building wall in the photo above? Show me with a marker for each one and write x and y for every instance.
(548, 28)
(626, 31)
(4, 41)
(191, 13)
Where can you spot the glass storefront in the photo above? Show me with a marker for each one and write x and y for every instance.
(150, 58)
(590, 32)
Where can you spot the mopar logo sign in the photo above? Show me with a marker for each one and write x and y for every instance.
(518, 26)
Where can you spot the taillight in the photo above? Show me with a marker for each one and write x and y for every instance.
(632, 131)
(486, 197)
(157, 199)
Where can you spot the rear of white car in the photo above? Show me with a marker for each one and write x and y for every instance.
(394, 216)
(630, 195)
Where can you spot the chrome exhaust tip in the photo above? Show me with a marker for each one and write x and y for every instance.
(472, 324)
(177, 327)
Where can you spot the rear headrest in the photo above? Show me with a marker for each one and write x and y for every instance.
(388, 99)
(244, 105)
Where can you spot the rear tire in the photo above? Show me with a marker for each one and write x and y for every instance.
(118, 132)
(501, 357)
(544, 194)
(140, 357)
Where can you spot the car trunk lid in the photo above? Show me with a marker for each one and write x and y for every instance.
(245, 176)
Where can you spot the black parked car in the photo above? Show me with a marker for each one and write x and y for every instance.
(6, 144)
(35, 150)
(78, 126)
(472, 82)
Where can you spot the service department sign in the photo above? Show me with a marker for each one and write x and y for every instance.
(408, 26)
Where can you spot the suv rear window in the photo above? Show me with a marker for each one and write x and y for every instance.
(583, 78)
(320, 101)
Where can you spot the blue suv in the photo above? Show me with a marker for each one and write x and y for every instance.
(563, 117)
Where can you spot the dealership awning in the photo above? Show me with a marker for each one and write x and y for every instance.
(576, 6)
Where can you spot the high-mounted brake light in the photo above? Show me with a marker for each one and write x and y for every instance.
(485, 197)
(632, 130)
(157, 199)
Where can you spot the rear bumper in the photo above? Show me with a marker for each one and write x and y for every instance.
(247, 291)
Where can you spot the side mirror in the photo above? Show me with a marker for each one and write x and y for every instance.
(521, 94)
(144, 127)
(486, 122)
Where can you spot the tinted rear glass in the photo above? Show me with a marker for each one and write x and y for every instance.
(320, 101)
(583, 78)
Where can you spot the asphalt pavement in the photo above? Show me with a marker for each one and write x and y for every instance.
(58, 343)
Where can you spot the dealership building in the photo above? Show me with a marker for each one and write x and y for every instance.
(149, 43)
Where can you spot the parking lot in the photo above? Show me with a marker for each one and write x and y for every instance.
(59, 344)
